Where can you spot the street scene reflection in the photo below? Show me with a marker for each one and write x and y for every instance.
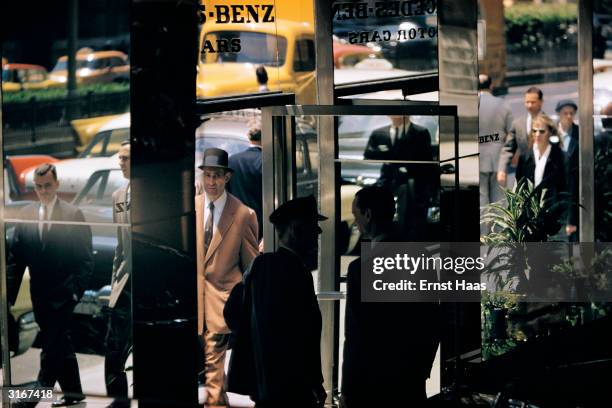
(66, 156)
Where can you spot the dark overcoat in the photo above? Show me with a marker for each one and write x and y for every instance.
(277, 322)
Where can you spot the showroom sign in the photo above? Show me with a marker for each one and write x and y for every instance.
(232, 14)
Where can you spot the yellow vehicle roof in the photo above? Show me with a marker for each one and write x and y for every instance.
(96, 55)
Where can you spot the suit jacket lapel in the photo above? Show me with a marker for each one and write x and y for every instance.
(200, 227)
(573, 143)
(226, 220)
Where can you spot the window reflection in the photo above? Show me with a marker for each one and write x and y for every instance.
(374, 40)
(602, 120)
(80, 136)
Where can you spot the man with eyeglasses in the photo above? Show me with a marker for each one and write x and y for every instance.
(518, 138)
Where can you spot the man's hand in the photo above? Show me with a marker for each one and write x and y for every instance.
(570, 229)
(501, 178)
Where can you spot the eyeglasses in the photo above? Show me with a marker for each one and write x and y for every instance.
(541, 131)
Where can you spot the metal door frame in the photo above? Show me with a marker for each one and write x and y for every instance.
(279, 186)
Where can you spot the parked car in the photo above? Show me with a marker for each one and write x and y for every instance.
(348, 55)
(85, 129)
(100, 153)
(113, 130)
(19, 77)
(94, 67)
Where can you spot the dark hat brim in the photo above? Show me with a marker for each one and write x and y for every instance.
(216, 167)
(562, 104)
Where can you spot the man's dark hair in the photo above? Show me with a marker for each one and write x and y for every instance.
(44, 169)
(379, 200)
(125, 143)
(535, 90)
(484, 81)
(254, 132)
(262, 75)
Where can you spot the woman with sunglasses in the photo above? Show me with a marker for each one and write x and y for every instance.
(543, 164)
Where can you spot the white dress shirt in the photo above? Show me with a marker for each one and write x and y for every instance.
(396, 131)
(41, 216)
(529, 120)
(565, 138)
(219, 206)
(540, 161)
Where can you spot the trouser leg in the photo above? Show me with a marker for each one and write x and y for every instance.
(484, 199)
(215, 347)
(118, 348)
(57, 358)
(496, 193)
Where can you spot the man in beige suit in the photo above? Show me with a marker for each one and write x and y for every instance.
(226, 232)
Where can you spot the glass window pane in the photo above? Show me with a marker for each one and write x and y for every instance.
(69, 255)
(376, 40)
(249, 48)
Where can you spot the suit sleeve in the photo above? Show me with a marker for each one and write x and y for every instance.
(372, 150)
(249, 248)
(83, 255)
(118, 258)
(16, 264)
(508, 119)
(506, 153)
(572, 178)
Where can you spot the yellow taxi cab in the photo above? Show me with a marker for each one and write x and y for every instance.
(231, 52)
(86, 129)
(18, 77)
(94, 67)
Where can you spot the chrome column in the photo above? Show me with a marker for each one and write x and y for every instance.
(585, 116)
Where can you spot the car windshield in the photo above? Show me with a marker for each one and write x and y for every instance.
(106, 143)
(93, 64)
(100, 187)
(255, 48)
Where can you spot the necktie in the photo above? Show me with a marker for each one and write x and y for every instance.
(45, 226)
(395, 136)
(208, 230)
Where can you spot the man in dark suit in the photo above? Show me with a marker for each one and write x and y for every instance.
(408, 332)
(119, 334)
(246, 180)
(60, 261)
(276, 319)
(568, 137)
(413, 183)
(518, 138)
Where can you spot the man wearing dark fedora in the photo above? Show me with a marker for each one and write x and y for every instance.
(226, 239)
(277, 323)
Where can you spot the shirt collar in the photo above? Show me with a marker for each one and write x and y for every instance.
(537, 154)
(50, 207)
(219, 202)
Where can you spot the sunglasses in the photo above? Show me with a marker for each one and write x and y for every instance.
(540, 131)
